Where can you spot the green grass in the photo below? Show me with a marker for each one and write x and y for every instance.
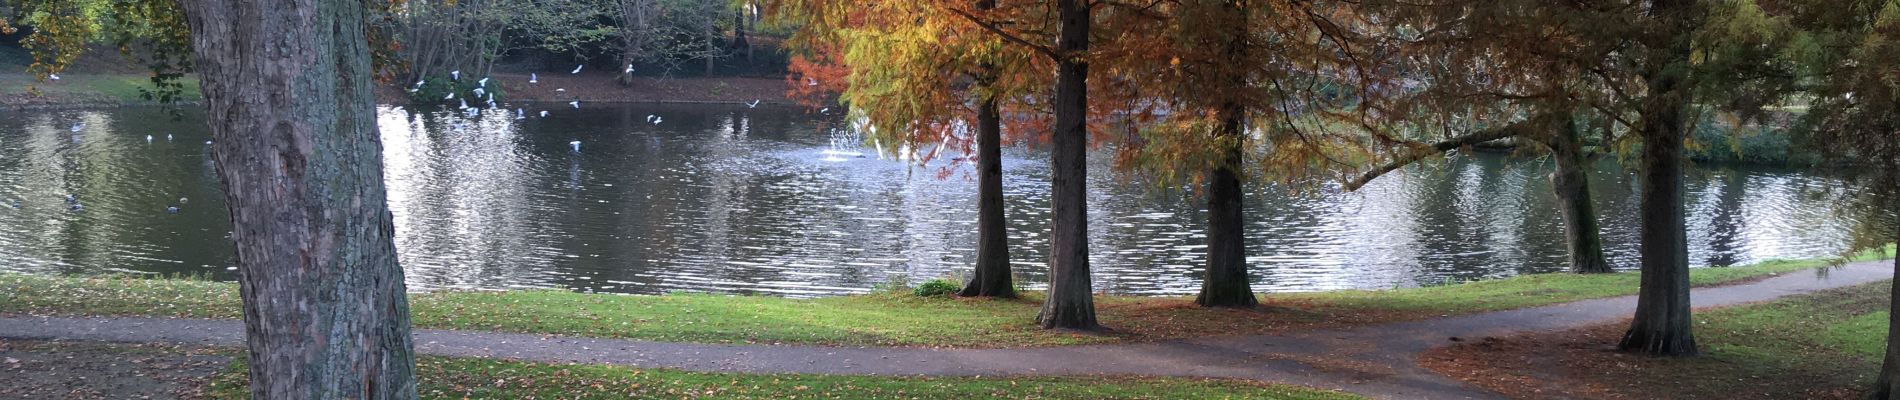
(457, 378)
(1544, 289)
(891, 318)
(1826, 344)
(88, 88)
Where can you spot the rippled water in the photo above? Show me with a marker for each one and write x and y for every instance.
(733, 199)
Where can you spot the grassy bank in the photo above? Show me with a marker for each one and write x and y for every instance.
(892, 318)
(83, 90)
(60, 369)
(462, 378)
(1825, 345)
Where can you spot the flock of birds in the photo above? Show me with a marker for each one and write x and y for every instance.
(72, 200)
(481, 93)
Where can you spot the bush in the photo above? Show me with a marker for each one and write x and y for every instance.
(936, 287)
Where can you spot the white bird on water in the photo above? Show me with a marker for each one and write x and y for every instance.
(576, 145)
(576, 103)
(533, 78)
(148, 138)
(455, 75)
(650, 117)
(52, 76)
(560, 89)
(577, 69)
(79, 126)
(168, 137)
(753, 104)
(544, 113)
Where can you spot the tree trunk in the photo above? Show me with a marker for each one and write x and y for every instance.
(1225, 283)
(1887, 384)
(1070, 304)
(287, 91)
(1662, 324)
(992, 277)
(1571, 185)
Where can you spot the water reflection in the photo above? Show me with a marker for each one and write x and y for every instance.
(775, 201)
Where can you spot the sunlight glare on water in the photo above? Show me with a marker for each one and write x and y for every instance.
(778, 201)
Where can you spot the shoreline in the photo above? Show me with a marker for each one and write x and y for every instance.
(104, 91)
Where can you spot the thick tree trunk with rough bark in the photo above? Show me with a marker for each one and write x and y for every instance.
(1571, 185)
(287, 92)
(1225, 283)
(1070, 304)
(991, 277)
(1662, 324)
(1887, 384)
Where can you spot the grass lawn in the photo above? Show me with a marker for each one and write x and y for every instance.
(465, 378)
(1825, 345)
(58, 369)
(88, 89)
(891, 319)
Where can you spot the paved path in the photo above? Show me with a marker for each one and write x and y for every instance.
(1377, 361)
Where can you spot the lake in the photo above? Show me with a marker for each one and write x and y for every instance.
(778, 201)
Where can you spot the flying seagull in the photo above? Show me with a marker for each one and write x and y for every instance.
(148, 138)
(521, 114)
(811, 82)
(456, 74)
(450, 97)
(544, 113)
(629, 69)
(483, 82)
(479, 92)
(52, 76)
(575, 103)
(576, 145)
(79, 126)
(753, 104)
(577, 69)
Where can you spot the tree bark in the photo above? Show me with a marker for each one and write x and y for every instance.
(1661, 325)
(1225, 282)
(1070, 304)
(1571, 185)
(1887, 384)
(287, 92)
(991, 277)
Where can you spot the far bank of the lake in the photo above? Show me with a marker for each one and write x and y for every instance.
(19, 91)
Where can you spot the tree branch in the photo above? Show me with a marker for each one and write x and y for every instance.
(1422, 151)
(1006, 36)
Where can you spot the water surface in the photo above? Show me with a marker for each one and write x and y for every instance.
(779, 201)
